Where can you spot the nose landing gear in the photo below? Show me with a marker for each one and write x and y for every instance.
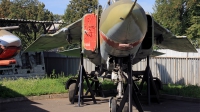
(129, 95)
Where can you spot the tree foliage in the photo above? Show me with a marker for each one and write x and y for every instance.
(75, 10)
(5, 8)
(78, 8)
(24, 9)
(28, 10)
(57, 17)
(193, 32)
(182, 17)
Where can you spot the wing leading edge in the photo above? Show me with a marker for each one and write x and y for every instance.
(75, 52)
(65, 36)
(166, 40)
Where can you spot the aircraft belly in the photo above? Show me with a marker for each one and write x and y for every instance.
(94, 57)
(142, 54)
(96, 60)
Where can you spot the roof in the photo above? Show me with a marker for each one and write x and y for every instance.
(172, 53)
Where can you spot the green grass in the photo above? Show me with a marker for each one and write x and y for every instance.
(106, 84)
(192, 91)
(182, 90)
(10, 88)
(32, 86)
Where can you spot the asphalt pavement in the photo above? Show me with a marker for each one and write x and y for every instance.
(63, 105)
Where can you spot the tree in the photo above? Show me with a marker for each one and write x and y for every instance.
(193, 32)
(180, 16)
(57, 17)
(78, 8)
(170, 14)
(29, 10)
(75, 11)
(4, 8)
(24, 9)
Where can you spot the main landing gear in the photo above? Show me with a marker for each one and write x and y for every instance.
(128, 91)
(75, 86)
(131, 90)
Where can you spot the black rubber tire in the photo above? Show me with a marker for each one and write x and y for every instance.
(71, 92)
(114, 105)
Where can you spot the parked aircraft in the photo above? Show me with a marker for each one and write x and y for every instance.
(120, 38)
(9, 46)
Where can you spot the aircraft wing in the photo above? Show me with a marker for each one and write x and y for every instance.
(75, 52)
(65, 36)
(156, 53)
(166, 40)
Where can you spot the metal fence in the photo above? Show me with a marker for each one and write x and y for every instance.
(60, 64)
(173, 70)
(168, 69)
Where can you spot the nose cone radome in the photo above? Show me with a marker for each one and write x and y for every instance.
(8, 39)
(123, 26)
(124, 22)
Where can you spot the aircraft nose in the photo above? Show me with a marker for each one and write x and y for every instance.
(10, 40)
(124, 26)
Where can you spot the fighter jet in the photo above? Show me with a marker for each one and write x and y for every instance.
(123, 34)
(10, 46)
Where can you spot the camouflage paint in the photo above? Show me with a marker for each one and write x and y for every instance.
(123, 26)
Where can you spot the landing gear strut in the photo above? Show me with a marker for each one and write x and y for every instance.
(151, 84)
(79, 86)
(129, 95)
(132, 90)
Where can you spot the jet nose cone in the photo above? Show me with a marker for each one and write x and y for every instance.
(14, 41)
(8, 39)
(124, 26)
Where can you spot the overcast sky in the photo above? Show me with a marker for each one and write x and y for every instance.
(59, 6)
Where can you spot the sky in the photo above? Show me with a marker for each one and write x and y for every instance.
(59, 6)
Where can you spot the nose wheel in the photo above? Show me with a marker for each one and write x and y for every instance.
(125, 104)
(114, 107)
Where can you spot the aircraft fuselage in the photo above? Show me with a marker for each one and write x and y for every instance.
(122, 29)
(123, 26)
(9, 45)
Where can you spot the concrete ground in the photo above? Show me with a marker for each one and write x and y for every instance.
(63, 105)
